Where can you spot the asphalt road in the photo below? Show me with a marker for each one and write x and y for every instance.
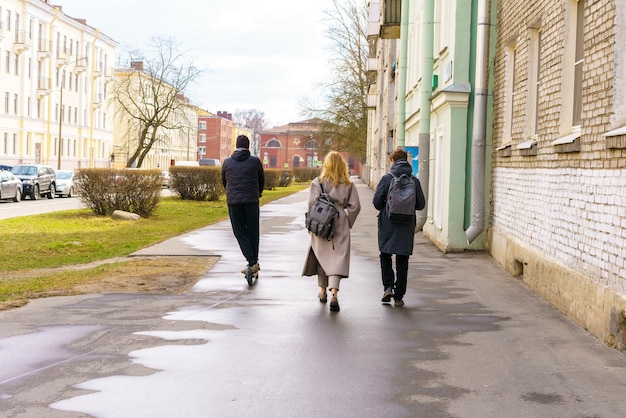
(27, 207)
(471, 341)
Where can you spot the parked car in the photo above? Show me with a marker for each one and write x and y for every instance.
(65, 183)
(187, 163)
(211, 162)
(10, 186)
(6, 167)
(165, 178)
(37, 180)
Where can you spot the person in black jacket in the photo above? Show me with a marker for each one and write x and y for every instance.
(244, 180)
(395, 238)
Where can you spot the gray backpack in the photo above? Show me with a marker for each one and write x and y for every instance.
(401, 199)
(320, 219)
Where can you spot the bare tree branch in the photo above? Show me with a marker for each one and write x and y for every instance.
(344, 107)
(149, 97)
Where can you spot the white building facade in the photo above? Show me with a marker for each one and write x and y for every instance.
(54, 72)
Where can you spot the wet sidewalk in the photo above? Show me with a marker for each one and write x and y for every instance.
(471, 341)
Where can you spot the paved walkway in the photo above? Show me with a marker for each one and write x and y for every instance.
(471, 341)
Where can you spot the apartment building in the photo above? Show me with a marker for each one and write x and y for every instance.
(559, 160)
(54, 71)
(216, 135)
(430, 98)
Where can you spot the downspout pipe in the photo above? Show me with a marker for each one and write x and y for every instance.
(477, 222)
(57, 9)
(404, 42)
(425, 95)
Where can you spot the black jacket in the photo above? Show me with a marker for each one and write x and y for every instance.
(395, 238)
(243, 178)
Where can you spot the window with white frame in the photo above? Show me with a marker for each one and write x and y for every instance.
(274, 143)
(572, 67)
(202, 138)
(533, 81)
(202, 125)
(578, 64)
(510, 56)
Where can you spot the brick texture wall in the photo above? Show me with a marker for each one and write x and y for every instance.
(559, 211)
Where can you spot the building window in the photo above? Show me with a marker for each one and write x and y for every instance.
(273, 143)
(202, 125)
(311, 144)
(17, 65)
(15, 103)
(202, 138)
(509, 93)
(534, 81)
(6, 102)
(578, 64)
(572, 68)
(7, 61)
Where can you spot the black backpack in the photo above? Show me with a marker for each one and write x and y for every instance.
(401, 199)
(320, 219)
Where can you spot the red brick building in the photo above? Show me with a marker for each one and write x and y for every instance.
(298, 144)
(215, 135)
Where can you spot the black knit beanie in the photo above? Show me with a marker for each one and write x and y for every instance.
(243, 142)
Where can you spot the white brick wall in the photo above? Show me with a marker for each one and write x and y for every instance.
(576, 217)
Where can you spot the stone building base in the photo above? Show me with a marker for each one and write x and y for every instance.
(593, 306)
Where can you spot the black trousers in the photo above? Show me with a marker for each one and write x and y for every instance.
(397, 282)
(245, 222)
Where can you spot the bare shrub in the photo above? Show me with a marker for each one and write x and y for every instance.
(197, 183)
(105, 190)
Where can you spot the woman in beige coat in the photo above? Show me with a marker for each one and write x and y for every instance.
(330, 260)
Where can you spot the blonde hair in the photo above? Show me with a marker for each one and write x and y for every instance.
(335, 169)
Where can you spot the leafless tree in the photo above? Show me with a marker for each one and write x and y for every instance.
(344, 107)
(251, 119)
(149, 96)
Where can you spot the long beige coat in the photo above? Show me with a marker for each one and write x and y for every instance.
(333, 256)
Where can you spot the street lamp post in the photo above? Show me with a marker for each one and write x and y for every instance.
(61, 113)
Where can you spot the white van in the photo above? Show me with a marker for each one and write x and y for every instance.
(211, 162)
(187, 163)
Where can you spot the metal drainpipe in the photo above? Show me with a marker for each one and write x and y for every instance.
(404, 42)
(57, 9)
(425, 94)
(477, 222)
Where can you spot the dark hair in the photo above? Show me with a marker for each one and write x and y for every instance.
(398, 154)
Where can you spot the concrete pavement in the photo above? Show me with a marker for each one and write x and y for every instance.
(471, 341)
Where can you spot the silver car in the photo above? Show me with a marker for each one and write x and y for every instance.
(10, 186)
(65, 183)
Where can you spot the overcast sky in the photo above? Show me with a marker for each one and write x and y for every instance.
(257, 54)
